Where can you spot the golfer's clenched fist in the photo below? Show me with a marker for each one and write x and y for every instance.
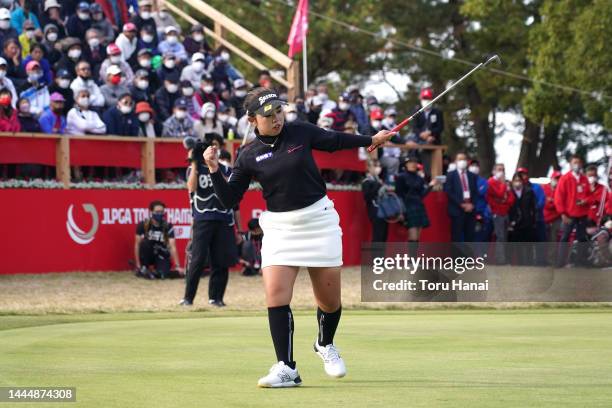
(211, 158)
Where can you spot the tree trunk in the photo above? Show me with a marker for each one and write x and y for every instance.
(479, 114)
(529, 145)
(548, 152)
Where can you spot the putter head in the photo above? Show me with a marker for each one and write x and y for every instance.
(491, 58)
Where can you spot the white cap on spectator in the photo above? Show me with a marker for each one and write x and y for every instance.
(390, 111)
(5, 14)
(170, 29)
(3, 61)
(198, 56)
(207, 107)
(317, 101)
(239, 83)
(50, 4)
(113, 70)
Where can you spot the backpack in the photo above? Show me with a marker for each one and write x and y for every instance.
(390, 207)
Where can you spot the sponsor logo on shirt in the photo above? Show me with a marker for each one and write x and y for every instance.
(294, 148)
(263, 157)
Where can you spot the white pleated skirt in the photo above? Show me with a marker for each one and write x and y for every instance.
(310, 236)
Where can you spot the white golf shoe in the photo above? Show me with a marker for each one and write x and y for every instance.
(280, 376)
(333, 363)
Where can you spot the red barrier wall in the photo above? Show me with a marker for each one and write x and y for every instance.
(57, 231)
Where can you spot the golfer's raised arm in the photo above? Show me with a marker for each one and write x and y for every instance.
(229, 191)
(331, 141)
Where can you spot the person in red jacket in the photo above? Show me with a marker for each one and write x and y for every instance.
(9, 122)
(500, 200)
(572, 202)
(552, 217)
(596, 192)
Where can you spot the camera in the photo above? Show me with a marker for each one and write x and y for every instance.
(197, 148)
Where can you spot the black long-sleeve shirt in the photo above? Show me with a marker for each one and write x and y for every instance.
(287, 172)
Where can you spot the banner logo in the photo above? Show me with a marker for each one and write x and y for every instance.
(77, 234)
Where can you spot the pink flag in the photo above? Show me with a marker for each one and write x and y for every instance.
(299, 28)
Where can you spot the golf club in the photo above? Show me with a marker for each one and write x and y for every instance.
(403, 123)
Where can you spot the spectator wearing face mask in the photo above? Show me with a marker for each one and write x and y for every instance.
(61, 85)
(179, 125)
(84, 80)
(376, 117)
(196, 41)
(6, 83)
(35, 92)
(552, 218)
(144, 62)
(328, 105)
(81, 120)
(6, 31)
(238, 96)
(168, 66)
(9, 122)
(14, 70)
(522, 218)
(500, 199)
(127, 42)
(207, 93)
(208, 122)
(52, 15)
(325, 122)
(27, 38)
(572, 202)
(390, 156)
(224, 73)
(315, 109)
(78, 24)
(144, 19)
(27, 121)
(24, 12)
(188, 93)
(163, 20)
(100, 23)
(342, 113)
(429, 125)
(371, 187)
(115, 58)
(53, 120)
(147, 40)
(596, 192)
(166, 96)
(171, 44)
(358, 111)
(93, 50)
(461, 188)
(72, 54)
(37, 54)
(140, 88)
(540, 226)
(147, 126)
(484, 222)
(113, 88)
(291, 114)
(264, 79)
(49, 42)
(195, 71)
(228, 122)
(120, 119)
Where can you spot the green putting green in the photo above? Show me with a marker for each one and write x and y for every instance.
(514, 358)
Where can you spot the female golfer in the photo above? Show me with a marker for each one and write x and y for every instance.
(301, 226)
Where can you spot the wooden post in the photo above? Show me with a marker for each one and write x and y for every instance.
(147, 162)
(293, 77)
(62, 161)
(436, 162)
(220, 33)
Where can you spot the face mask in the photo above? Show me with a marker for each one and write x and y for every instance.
(592, 179)
(84, 101)
(142, 84)
(198, 37)
(145, 63)
(241, 93)
(474, 169)
(2, 74)
(145, 15)
(158, 217)
(52, 37)
(576, 168)
(172, 88)
(115, 79)
(172, 39)
(424, 102)
(74, 54)
(115, 59)
(24, 108)
(5, 100)
(93, 42)
(198, 66)
(389, 122)
(144, 116)
(169, 64)
(208, 88)
(377, 170)
(291, 117)
(209, 115)
(222, 117)
(517, 185)
(5, 24)
(34, 77)
(376, 124)
(163, 14)
(83, 16)
(225, 56)
(63, 83)
(461, 164)
(147, 38)
(323, 96)
(499, 175)
(452, 167)
(30, 34)
(188, 91)
(125, 109)
(344, 106)
(180, 114)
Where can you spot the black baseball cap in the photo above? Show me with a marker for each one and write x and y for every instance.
(265, 104)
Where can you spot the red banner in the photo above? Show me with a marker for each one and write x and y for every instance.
(93, 230)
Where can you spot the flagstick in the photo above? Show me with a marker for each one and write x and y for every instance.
(305, 60)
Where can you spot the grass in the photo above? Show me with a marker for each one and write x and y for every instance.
(443, 358)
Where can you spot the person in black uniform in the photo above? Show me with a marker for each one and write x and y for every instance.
(371, 188)
(522, 219)
(301, 226)
(155, 244)
(213, 235)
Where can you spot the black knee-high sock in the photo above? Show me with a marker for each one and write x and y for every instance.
(328, 323)
(281, 328)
